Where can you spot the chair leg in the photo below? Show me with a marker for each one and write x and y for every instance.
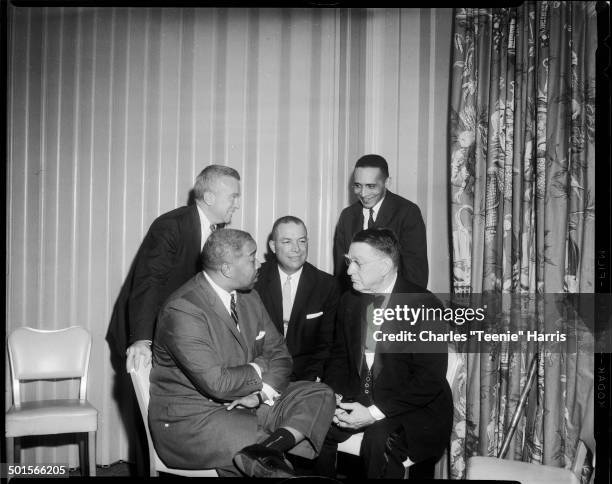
(17, 450)
(91, 450)
(10, 450)
(82, 455)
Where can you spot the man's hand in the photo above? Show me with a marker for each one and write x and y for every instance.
(139, 352)
(353, 416)
(249, 401)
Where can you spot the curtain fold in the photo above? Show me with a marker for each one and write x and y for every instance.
(522, 211)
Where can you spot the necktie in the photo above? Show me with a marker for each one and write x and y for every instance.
(213, 227)
(233, 309)
(286, 302)
(374, 302)
(371, 219)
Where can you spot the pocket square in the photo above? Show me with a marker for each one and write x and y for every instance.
(314, 315)
(260, 335)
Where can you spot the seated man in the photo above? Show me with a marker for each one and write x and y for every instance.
(220, 377)
(398, 397)
(300, 299)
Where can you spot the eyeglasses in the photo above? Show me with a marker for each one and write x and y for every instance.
(359, 265)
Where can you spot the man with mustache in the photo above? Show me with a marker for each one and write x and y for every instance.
(376, 206)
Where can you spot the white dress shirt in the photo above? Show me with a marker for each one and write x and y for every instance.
(295, 279)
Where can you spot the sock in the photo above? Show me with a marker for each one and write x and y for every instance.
(281, 440)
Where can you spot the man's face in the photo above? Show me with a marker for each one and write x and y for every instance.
(290, 244)
(366, 274)
(369, 185)
(225, 199)
(245, 267)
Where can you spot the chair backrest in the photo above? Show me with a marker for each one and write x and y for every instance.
(36, 354)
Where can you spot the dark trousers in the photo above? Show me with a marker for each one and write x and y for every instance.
(307, 407)
(383, 450)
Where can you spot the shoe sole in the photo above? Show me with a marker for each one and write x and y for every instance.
(253, 468)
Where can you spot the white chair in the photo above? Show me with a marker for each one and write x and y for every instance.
(353, 444)
(36, 354)
(486, 468)
(140, 380)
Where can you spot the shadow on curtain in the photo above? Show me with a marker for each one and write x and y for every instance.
(522, 168)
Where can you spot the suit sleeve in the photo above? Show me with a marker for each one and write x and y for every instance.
(337, 365)
(413, 248)
(325, 339)
(340, 247)
(275, 361)
(187, 338)
(424, 380)
(152, 268)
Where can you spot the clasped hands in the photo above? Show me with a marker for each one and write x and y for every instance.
(351, 415)
(248, 401)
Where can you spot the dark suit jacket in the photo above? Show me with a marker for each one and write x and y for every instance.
(398, 214)
(168, 257)
(406, 385)
(200, 360)
(311, 327)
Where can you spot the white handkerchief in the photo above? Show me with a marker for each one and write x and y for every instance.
(260, 335)
(314, 315)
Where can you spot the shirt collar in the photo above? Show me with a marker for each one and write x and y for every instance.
(375, 208)
(226, 297)
(294, 277)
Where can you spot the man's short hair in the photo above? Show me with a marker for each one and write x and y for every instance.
(208, 177)
(373, 161)
(383, 240)
(223, 245)
(287, 219)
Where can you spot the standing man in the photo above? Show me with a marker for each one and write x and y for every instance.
(300, 299)
(220, 390)
(378, 207)
(395, 393)
(168, 257)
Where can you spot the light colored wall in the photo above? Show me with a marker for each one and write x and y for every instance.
(113, 111)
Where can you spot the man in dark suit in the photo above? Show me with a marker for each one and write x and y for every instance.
(301, 300)
(220, 377)
(378, 207)
(395, 393)
(168, 257)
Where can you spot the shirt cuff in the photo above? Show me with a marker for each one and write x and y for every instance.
(269, 392)
(375, 412)
(257, 369)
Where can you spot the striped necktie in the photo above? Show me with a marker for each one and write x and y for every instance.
(233, 309)
(371, 219)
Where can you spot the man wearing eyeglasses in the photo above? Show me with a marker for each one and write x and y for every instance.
(300, 299)
(397, 397)
(376, 206)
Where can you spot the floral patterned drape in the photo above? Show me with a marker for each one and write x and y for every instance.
(522, 207)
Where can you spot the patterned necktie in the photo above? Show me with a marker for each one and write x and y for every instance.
(233, 309)
(286, 303)
(371, 219)
(213, 227)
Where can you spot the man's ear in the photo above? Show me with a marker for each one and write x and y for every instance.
(272, 246)
(388, 264)
(226, 270)
(387, 182)
(209, 198)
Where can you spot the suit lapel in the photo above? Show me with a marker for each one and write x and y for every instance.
(196, 231)
(215, 303)
(357, 220)
(275, 295)
(356, 331)
(387, 208)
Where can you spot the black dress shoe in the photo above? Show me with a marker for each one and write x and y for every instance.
(259, 461)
